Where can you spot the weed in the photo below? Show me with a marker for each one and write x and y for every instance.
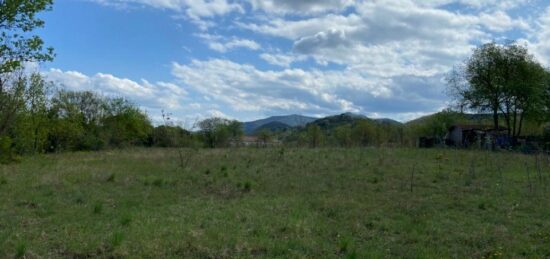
(3, 180)
(247, 187)
(126, 220)
(98, 208)
(79, 200)
(116, 240)
(207, 172)
(158, 182)
(111, 178)
(20, 249)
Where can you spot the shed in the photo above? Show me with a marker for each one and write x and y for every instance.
(466, 135)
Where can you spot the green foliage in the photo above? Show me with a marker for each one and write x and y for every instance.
(218, 132)
(6, 150)
(364, 133)
(18, 18)
(504, 80)
(264, 136)
(314, 135)
(344, 136)
(172, 136)
(125, 125)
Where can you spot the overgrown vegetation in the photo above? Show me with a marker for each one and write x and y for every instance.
(314, 203)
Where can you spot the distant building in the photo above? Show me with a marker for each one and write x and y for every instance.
(481, 136)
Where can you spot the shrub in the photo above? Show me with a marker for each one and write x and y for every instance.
(7, 154)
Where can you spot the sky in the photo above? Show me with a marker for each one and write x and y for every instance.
(249, 59)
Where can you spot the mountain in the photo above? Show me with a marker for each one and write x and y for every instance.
(332, 122)
(349, 118)
(273, 126)
(290, 120)
(387, 121)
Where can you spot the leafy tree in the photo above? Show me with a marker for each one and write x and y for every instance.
(32, 125)
(264, 136)
(314, 135)
(364, 133)
(171, 136)
(124, 124)
(504, 80)
(18, 18)
(12, 100)
(235, 129)
(478, 84)
(215, 132)
(344, 136)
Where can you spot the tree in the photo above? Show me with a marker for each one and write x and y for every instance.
(31, 127)
(314, 135)
(264, 136)
(215, 132)
(502, 79)
(125, 124)
(18, 18)
(364, 133)
(343, 135)
(478, 84)
(235, 129)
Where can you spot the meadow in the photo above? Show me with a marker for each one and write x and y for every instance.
(286, 203)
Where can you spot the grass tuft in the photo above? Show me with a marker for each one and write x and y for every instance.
(98, 208)
(111, 178)
(20, 249)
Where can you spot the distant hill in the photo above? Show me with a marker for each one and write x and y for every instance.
(348, 118)
(335, 121)
(387, 121)
(290, 120)
(273, 126)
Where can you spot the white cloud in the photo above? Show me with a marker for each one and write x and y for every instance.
(389, 38)
(281, 60)
(222, 44)
(389, 55)
(244, 88)
(198, 11)
(303, 7)
(538, 39)
(160, 95)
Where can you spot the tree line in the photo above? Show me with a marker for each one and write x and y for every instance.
(36, 116)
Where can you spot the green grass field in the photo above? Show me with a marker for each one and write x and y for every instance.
(297, 203)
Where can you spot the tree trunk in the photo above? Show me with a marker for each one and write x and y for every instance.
(495, 117)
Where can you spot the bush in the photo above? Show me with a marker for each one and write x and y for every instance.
(7, 154)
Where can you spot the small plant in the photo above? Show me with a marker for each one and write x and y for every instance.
(3, 180)
(207, 172)
(117, 239)
(158, 182)
(247, 187)
(223, 168)
(343, 246)
(98, 208)
(111, 178)
(20, 249)
(79, 200)
(482, 206)
(126, 220)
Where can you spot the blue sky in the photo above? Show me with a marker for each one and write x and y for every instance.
(248, 59)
